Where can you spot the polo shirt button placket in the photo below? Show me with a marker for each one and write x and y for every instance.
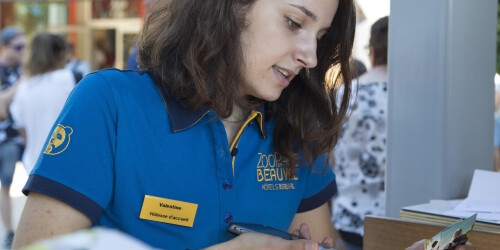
(234, 152)
(228, 218)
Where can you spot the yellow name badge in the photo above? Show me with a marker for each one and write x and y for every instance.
(168, 211)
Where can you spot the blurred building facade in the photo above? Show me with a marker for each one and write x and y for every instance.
(102, 32)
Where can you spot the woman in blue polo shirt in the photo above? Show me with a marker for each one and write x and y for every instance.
(229, 121)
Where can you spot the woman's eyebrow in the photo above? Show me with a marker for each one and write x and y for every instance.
(306, 11)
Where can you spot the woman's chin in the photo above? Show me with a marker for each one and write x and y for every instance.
(270, 96)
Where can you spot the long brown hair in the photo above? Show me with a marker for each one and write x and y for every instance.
(47, 53)
(194, 49)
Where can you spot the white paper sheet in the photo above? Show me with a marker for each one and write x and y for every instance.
(484, 196)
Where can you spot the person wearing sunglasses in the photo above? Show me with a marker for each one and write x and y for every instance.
(12, 47)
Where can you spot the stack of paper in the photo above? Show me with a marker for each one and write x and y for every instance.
(483, 199)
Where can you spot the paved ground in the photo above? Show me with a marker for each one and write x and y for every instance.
(18, 199)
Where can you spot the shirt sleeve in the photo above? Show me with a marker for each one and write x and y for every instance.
(320, 187)
(76, 165)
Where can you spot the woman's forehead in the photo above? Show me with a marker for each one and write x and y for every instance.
(321, 11)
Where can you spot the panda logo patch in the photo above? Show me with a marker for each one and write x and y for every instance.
(59, 140)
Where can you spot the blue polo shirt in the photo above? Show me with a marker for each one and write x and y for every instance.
(121, 143)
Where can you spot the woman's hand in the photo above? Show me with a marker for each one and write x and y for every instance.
(264, 241)
(305, 232)
(419, 245)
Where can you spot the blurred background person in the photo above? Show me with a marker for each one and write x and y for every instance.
(359, 67)
(132, 61)
(12, 47)
(80, 68)
(40, 97)
(360, 155)
(496, 133)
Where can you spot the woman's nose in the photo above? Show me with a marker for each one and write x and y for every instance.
(306, 53)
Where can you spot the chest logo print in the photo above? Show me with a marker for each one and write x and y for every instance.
(59, 140)
(273, 173)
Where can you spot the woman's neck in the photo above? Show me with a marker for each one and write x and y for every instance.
(233, 123)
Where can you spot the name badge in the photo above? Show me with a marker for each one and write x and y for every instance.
(168, 211)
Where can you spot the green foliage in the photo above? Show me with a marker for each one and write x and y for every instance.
(33, 17)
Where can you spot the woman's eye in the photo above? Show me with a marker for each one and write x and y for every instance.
(292, 24)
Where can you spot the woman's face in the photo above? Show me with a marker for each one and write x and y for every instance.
(280, 40)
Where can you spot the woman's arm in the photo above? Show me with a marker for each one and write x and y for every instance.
(315, 223)
(5, 100)
(45, 217)
(22, 133)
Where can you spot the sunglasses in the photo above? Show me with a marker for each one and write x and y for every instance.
(19, 47)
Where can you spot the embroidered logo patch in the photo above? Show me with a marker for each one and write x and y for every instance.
(59, 140)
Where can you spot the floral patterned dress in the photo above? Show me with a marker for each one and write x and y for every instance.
(360, 159)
